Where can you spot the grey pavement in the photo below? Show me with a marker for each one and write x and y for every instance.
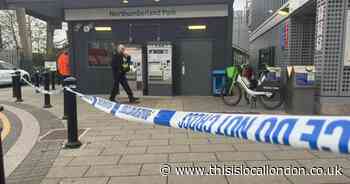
(24, 143)
(118, 151)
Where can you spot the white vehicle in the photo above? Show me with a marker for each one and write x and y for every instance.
(6, 71)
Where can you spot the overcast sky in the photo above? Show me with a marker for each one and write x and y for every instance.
(239, 4)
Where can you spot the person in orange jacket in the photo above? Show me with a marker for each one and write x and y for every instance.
(63, 65)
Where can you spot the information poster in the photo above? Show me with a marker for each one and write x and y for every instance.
(347, 42)
(51, 65)
(320, 28)
(305, 75)
(160, 62)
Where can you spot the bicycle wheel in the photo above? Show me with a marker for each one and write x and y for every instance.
(232, 97)
(273, 102)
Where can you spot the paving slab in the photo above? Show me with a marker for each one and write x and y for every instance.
(119, 151)
(169, 149)
(150, 142)
(234, 156)
(197, 179)
(212, 148)
(138, 180)
(101, 180)
(125, 170)
(289, 155)
(123, 150)
(258, 180)
(67, 172)
(144, 158)
(192, 157)
(94, 160)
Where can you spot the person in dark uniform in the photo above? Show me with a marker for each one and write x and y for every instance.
(119, 74)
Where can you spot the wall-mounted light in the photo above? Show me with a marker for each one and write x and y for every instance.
(125, 1)
(103, 28)
(197, 27)
(284, 11)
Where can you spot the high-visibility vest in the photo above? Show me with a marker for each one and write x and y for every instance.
(63, 64)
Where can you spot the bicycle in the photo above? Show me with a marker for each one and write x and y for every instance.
(268, 93)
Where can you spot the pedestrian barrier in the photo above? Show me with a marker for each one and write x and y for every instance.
(70, 112)
(42, 90)
(47, 101)
(326, 133)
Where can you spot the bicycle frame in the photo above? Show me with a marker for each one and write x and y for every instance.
(249, 91)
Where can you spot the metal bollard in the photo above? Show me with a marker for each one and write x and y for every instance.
(37, 80)
(14, 92)
(2, 169)
(70, 105)
(47, 101)
(53, 80)
(65, 116)
(18, 86)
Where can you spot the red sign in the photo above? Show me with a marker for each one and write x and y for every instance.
(286, 31)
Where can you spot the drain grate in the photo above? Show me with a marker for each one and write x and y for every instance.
(60, 134)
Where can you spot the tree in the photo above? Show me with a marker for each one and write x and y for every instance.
(23, 30)
(39, 37)
(9, 29)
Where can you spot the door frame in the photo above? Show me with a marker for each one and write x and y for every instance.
(177, 85)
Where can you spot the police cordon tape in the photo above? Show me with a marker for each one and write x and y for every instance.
(42, 90)
(325, 133)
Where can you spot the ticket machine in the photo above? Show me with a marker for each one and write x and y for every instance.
(159, 61)
(301, 90)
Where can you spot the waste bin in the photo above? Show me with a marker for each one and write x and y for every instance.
(219, 80)
(301, 90)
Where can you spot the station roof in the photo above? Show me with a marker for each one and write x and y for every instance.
(54, 9)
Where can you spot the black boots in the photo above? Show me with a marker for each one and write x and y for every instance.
(133, 100)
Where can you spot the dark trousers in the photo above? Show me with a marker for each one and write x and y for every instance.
(120, 78)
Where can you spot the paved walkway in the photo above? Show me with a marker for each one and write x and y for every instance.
(118, 151)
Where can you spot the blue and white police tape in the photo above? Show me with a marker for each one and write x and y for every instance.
(41, 90)
(313, 132)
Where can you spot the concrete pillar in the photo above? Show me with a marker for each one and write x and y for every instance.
(333, 78)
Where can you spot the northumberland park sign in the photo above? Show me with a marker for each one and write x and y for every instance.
(143, 12)
(156, 12)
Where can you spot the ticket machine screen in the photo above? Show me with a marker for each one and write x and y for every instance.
(160, 62)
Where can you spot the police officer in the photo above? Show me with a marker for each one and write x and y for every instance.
(119, 74)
